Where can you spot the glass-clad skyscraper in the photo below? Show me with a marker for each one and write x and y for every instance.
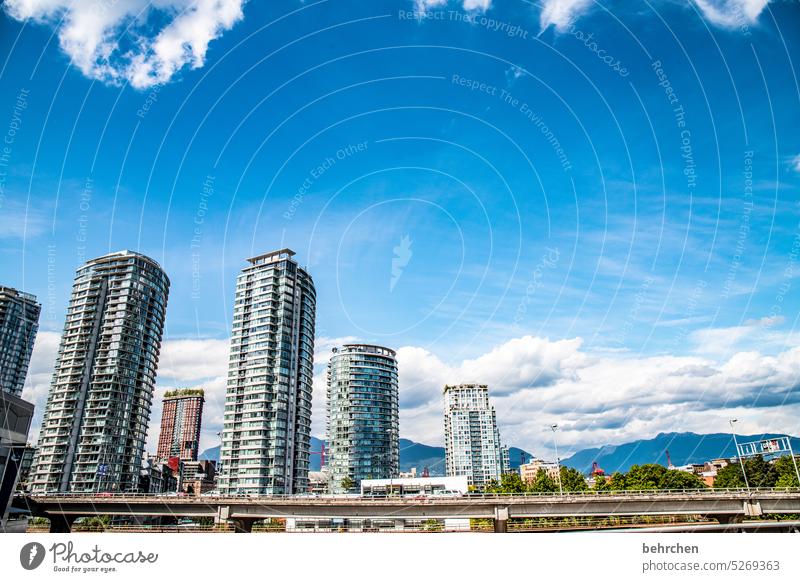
(266, 438)
(363, 415)
(19, 321)
(95, 424)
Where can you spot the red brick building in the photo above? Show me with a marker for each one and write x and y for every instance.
(180, 424)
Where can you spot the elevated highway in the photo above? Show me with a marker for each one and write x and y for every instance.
(726, 506)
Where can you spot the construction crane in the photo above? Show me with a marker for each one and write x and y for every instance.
(321, 454)
(669, 461)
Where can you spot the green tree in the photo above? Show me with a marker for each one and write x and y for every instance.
(787, 476)
(674, 479)
(572, 480)
(348, 484)
(641, 477)
(512, 483)
(760, 473)
(729, 477)
(618, 481)
(543, 483)
(601, 483)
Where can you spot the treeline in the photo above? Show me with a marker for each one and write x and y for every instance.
(760, 473)
(639, 477)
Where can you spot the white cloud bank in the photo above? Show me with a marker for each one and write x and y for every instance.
(595, 398)
(142, 42)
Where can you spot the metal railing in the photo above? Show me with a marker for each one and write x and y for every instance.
(590, 493)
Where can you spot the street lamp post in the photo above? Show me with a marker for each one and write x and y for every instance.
(738, 454)
(558, 461)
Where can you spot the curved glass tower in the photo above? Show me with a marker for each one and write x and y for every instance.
(363, 415)
(95, 424)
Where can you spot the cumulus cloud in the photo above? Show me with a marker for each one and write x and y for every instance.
(189, 360)
(603, 398)
(731, 13)
(40, 374)
(561, 14)
(596, 398)
(142, 42)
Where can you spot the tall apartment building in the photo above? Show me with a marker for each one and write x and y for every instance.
(19, 321)
(94, 428)
(266, 437)
(181, 418)
(472, 440)
(363, 415)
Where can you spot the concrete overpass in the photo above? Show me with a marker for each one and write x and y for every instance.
(727, 506)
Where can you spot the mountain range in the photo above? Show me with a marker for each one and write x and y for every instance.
(412, 454)
(684, 448)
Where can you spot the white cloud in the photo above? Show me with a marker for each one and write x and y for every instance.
(731, 13)
(724, 13)
(40, 374)
(117, 41)
(603, 398)
(562, 13)
(596, 398)
(480, 5)
(189, 360)
(795, 163)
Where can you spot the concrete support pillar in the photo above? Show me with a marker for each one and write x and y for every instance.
(61, 523)
(753, 509)
(500, 519)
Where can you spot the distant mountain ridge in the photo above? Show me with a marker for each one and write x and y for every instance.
(412, 454)
(685, 448)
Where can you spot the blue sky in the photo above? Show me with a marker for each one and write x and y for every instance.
(600, 196)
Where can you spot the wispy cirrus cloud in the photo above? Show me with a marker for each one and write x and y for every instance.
(141, 42)
(481, 5)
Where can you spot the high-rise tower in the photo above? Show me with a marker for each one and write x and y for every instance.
(363, 414)
(266, 438)
(95, 424)
(19, 321)
(472, 440)
(181, 419)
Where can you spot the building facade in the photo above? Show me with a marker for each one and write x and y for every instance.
(362, 415)
(94, 428)
(529, 470)
(181, 419)
(472, 439)
(19, 321)
(266, 438)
